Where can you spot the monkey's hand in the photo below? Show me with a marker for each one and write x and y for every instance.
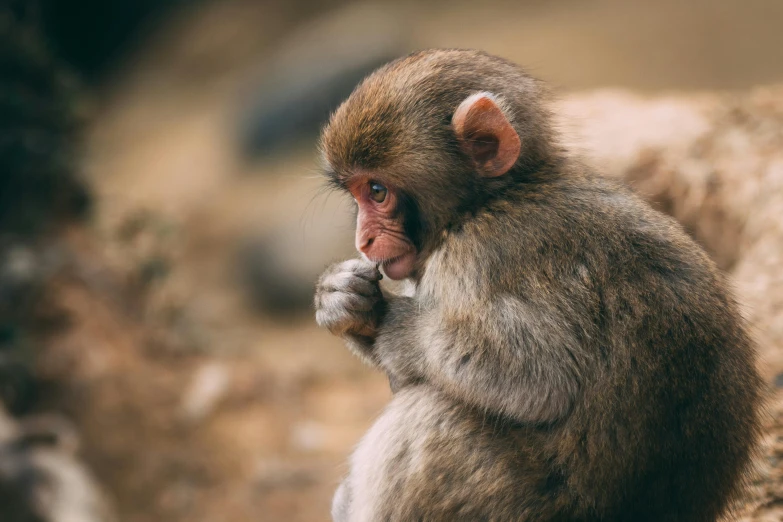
(348, 300)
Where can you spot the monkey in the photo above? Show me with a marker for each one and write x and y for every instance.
(566, 353)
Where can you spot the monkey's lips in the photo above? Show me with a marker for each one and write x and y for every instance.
(401, 266)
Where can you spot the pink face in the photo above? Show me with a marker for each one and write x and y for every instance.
(380, 234)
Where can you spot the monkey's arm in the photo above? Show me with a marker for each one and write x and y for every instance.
(504, 356)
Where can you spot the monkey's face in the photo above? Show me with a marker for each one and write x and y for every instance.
(380, 227)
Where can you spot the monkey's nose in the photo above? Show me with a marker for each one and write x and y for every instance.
(365, 244)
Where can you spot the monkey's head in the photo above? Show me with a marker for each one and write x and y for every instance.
(426, 140)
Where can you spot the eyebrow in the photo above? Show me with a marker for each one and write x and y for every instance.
(333, 179)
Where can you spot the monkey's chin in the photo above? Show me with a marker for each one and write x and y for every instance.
(399, 267)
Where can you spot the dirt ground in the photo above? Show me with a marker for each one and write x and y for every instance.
(193, 406)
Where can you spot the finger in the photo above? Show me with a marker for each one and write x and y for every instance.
(332, 317)
(340, 301)
(362, 268)
(350, 282)
(358, 303)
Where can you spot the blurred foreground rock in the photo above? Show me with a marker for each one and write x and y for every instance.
(41, 480)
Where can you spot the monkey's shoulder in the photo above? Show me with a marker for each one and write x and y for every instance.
(573, 226)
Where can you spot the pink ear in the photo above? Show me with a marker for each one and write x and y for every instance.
(486, 135)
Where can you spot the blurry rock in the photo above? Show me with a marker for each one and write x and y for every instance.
(20, 265)
(20, 274)
(272, 284)
(308, 435)
(40, 478)
(279, 269)
(314, 70)
(208, 387)
(24, 267)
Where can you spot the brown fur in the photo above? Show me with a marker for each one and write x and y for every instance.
(568, 353)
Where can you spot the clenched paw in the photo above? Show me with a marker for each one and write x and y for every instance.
(347, 298)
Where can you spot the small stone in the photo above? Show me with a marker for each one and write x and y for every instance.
(208, 387)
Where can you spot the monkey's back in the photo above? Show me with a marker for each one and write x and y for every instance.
(668, 416)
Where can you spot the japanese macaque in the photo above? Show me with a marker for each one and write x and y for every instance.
(567, 352)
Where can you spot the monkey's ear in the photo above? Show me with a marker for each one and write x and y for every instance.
(486, 135)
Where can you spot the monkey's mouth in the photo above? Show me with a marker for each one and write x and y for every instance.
(401, 266)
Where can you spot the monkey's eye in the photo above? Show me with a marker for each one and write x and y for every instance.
(378, 192)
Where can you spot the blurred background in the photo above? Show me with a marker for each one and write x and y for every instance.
(163, 220)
